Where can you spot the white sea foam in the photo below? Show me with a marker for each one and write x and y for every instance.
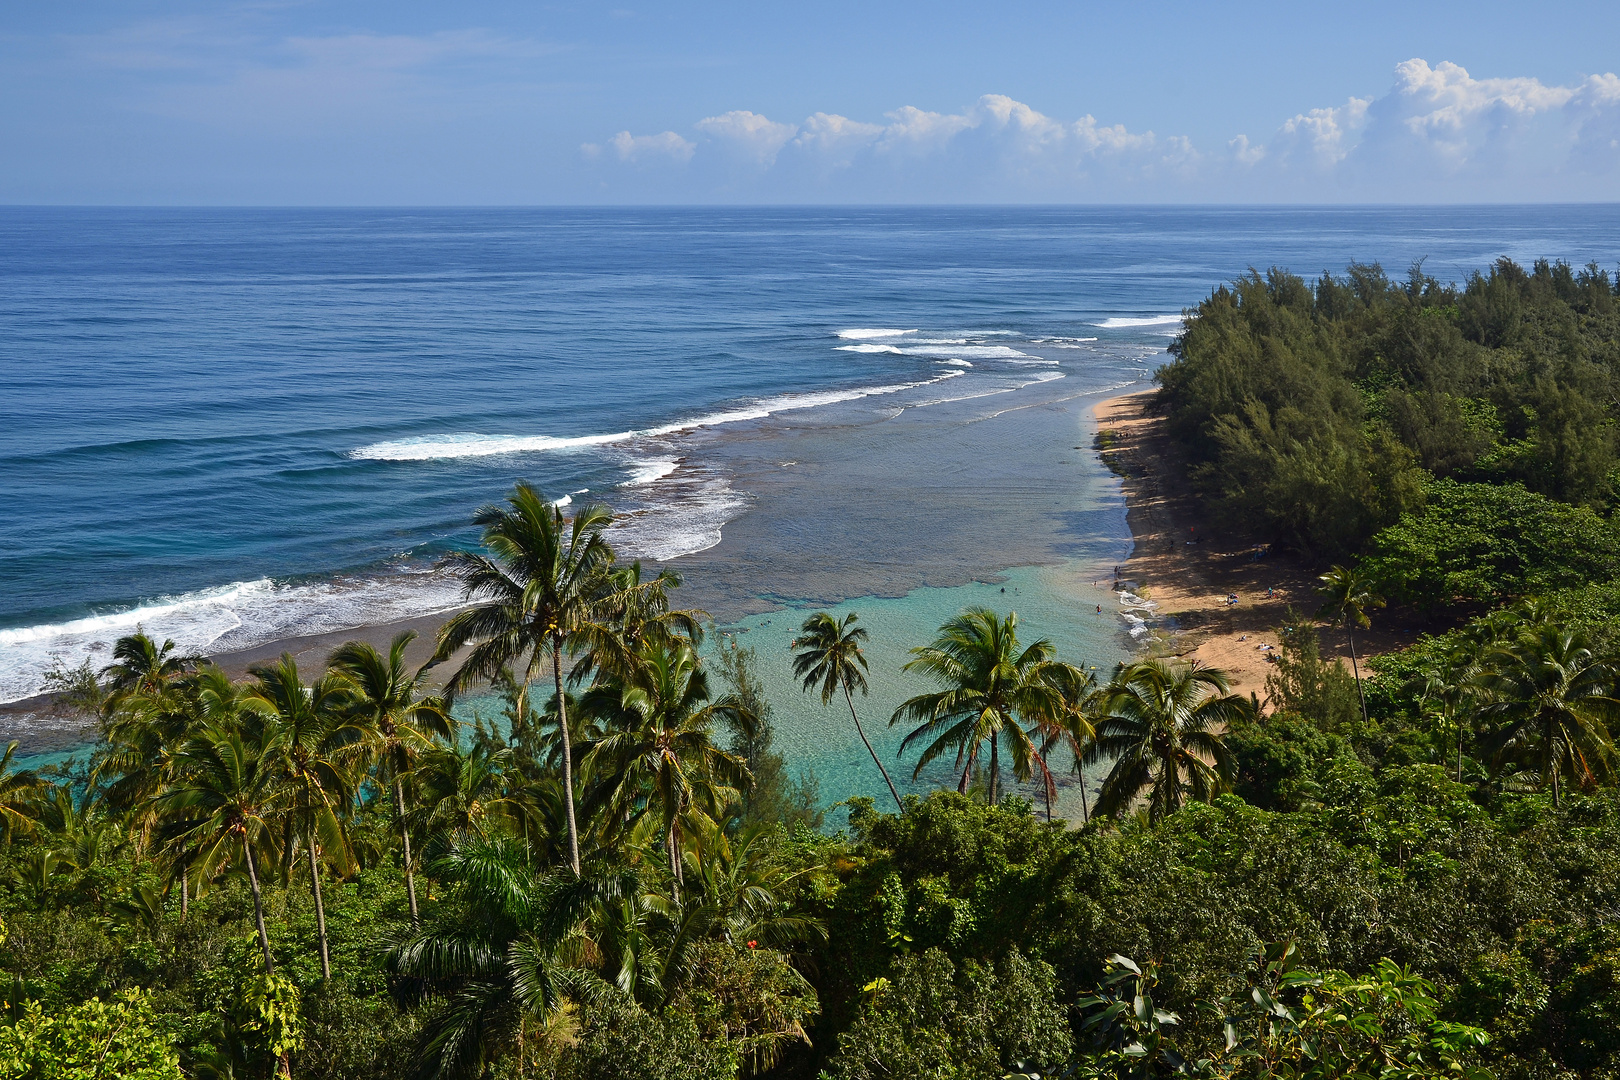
(237, 616)
(469, 444)
(430, 447)
(955, 362)
(687, 520)
(978, 352)
(857, 335)
(649, 472)
(1128, 322)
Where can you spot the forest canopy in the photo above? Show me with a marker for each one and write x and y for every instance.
(1322, 411)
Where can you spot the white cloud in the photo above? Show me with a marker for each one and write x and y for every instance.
(628, 147)
(1437, 134)
(756, 136)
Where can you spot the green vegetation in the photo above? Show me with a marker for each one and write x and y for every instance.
(1412, 874)
(1321, 413)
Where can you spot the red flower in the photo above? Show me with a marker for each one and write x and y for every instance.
(753, 944)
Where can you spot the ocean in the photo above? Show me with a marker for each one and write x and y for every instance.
(234, 426)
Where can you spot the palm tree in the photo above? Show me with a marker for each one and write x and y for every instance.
(305, 718)
(535, 592)
(490, 959)
(1346, 599)
(633, 613)
(1163, 725)
(990, 683)
(19, 793)
(393, 721)
(1069, 727)
(1552, 702)
(220, 807)
(660, 751)
(142, 666)
(829, 653)
(463, 792)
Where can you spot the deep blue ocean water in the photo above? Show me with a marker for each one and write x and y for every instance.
(237, 425)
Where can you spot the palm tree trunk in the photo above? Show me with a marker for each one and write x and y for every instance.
(1459, 747)
(405, 839)
(289, 850)
(1085, 800)
(995, 768)
(875, 759)
(674, 861)
(320, 912)
(1550, 755)
(258, 909)
(185, 895)
(1356, 670)
(567, 754)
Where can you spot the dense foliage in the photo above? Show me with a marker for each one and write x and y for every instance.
(1321, 412)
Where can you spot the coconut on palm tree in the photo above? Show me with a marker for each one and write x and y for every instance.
(829, 657)
(1552, 701)
(392, 722)
(989, 684)
(1163, 724)
(1346, 600)
(541, 584)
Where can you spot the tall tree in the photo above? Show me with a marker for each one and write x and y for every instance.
(1346, 600)
(660, 753)
(143, 667)
(1552, 701)
(542, 582)
(1067, 727)
(1162, 724)
(990, 682)
(306, 758)
(393, 724)
(219, 809)
(828, 653)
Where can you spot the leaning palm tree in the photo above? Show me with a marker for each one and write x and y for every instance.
(1551, 703)
(829, 653)
(220, 807)
(393, 724)
(307, 759)
(660, 756)
(1163, 723)
(989, 683)
(1345, 601)
(539, 586)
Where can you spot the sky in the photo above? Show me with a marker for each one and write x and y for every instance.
(169, 102)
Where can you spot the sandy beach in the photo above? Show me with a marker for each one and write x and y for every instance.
(1191, 569)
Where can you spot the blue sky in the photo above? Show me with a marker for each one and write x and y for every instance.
(123, 101)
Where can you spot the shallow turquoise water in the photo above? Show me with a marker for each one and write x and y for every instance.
(1054, 602)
